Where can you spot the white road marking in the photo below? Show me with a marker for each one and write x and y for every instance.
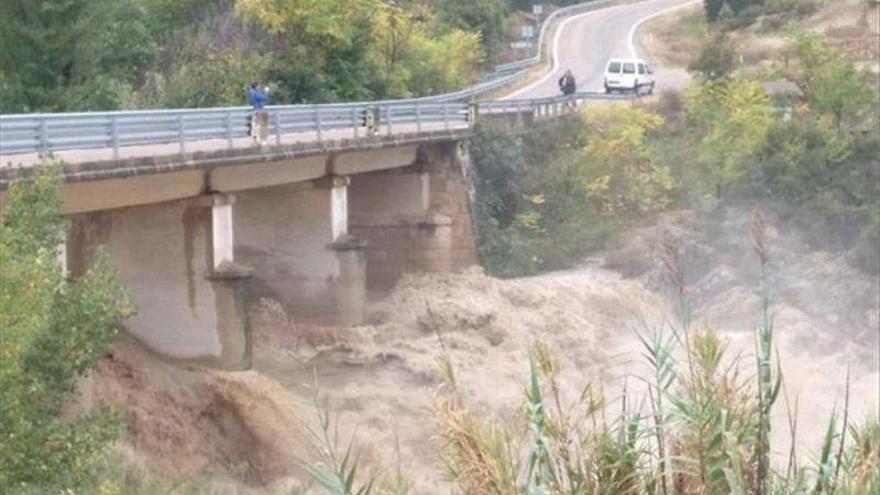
(554, 54)
(635, 27)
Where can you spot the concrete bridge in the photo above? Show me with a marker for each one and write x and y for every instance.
(316, 222)
(339, 202)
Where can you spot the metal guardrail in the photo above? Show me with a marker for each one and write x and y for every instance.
(29, 133)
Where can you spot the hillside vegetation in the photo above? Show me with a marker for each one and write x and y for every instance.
(566, 188)
(107, 54)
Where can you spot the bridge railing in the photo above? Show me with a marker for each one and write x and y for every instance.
(117, 130)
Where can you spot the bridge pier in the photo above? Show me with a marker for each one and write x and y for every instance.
(175, 258)
(415, 218)
(295, 236)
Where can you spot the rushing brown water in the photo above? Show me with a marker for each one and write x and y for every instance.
(382, 378)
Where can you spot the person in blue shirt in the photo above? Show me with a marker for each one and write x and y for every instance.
(258, 101)
(258, 98)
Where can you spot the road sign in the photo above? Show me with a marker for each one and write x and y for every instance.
(537, 9)
(528, 32)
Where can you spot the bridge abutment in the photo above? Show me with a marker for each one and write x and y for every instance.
(415, 218)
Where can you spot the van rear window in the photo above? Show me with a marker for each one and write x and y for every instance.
(614, 67)
(629, 68)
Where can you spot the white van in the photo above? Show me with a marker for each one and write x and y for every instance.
(628, 74)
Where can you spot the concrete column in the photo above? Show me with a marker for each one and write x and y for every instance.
(222, 234)
(432, 245)
(387, 207)
(338, 207)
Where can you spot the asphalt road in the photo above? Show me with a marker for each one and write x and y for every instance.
(584, 44)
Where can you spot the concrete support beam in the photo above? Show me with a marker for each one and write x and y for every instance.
(371, 160)
(392, 193)
(79, 197)
(257, 175)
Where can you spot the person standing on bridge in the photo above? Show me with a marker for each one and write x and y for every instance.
(257, 123)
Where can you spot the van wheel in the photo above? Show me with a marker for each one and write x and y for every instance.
(608, 90)
(636, 87)
(651, 88)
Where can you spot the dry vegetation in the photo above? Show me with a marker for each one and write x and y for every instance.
(853, 26)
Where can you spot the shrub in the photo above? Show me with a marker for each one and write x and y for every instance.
(532, 210)
(53, 331)
(716, 58)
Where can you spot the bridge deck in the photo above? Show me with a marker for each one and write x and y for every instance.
(205, 147)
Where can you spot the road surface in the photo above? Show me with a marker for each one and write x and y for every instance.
(584, 43)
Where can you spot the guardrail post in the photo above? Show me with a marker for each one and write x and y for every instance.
(388, 116)
(445, 115)
(418, 117)
(276, 117)
(319, 129)
(472, 114)
(114, 136)
(180, 137)
(354, 121)
(44, 135)
(229, 129)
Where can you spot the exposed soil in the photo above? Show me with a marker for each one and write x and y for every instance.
(186, 421)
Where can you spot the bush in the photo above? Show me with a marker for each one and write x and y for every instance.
(716, 58)
(547, 200)
(54, 330)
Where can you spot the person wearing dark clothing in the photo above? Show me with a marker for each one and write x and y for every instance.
(567, 83)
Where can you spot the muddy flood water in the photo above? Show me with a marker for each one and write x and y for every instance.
(381, 380)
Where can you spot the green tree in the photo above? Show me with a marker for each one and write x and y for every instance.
(202, 76)
(833, 83)
(713, 9)
(70, 54)
(716, 59)
(842, 91)
(482, 16)
(734, 117)
(53, 331)
(621, 173)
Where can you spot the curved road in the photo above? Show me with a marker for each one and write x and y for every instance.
(584, 43)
